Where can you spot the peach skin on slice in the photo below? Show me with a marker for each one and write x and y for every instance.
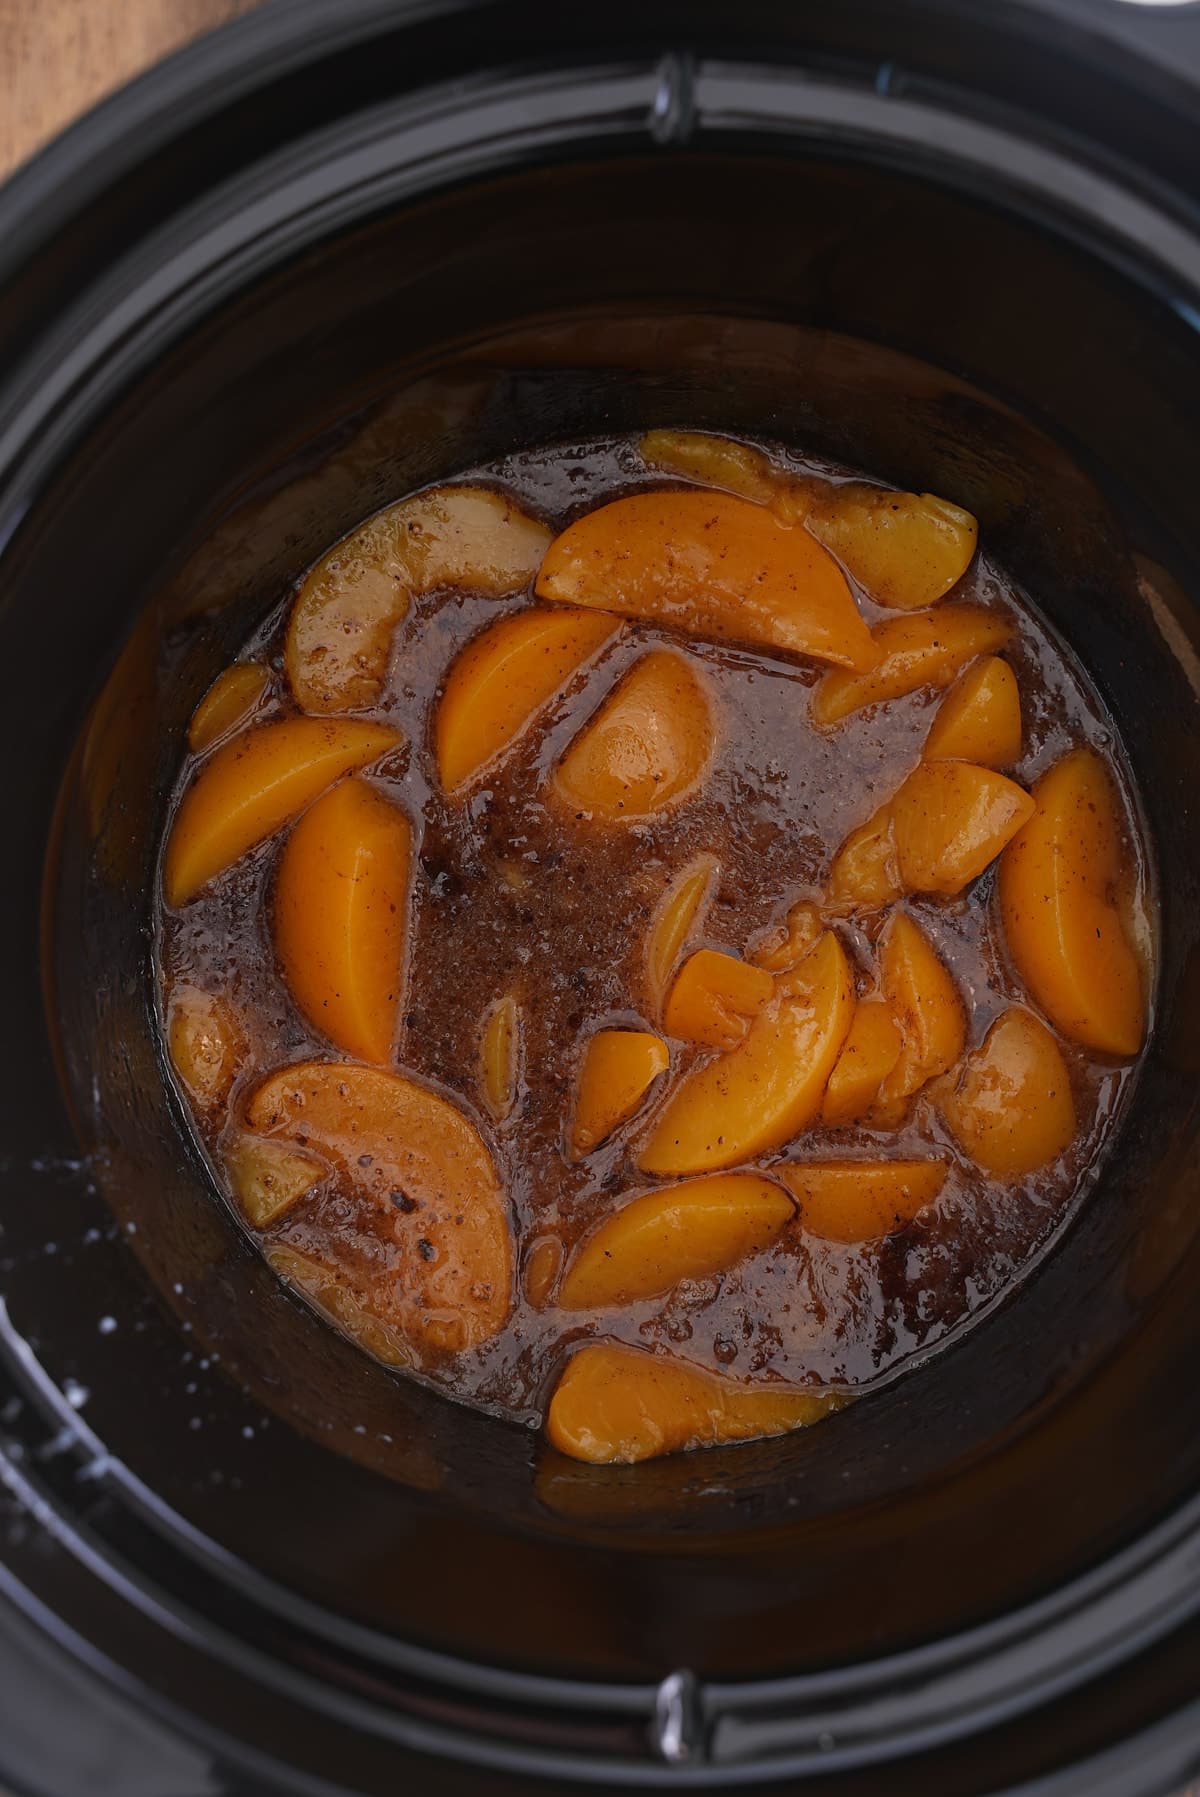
(341, 914)
(856, 1201)
(866, 870)
(411, 1156)
(709, 565)
(268, 1177)
(927, 648)
(678, 911)
(227, 704)
(767, 1090)
(1058, 885)
(339, 636)
(645, 749)
(618, 1069)
(686, 1231)
(950, 820)
(254, 784)
(614, 1405)
(715, 999)
(1011, 1109)
(205, 1042)
(871, 1050)
(503, 679)
(906, 550)
(499, 1056)
(979, 720)
(782, 946)
(924, 1000)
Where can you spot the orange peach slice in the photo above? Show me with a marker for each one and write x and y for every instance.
(787, 943)
(715, 999)
(503, 679)
(254, 784)
(711, 566)
(542, 1266)
(205, 1042)
(905, 550)
(339, 636)
(1012, 1109)
(866, 870)
(856, 1201)
(871, 1051)
(926, 649)
(499, 1056)
(354, 1318)
(686, 1231)
(766, 1091)
(619, 1068)
(341, 909)
(734, 467)
(445, 1281)
(268, 1177)
(924, 1000)
(950, 821)
(617, 1405)
(645, 749)
(227, 704)
(1059, 891)
(979, 720)
(678, 911)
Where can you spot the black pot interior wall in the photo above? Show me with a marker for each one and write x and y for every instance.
(818, 302)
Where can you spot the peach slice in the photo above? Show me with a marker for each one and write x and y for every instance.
(324, 1289)
(268, 1177)
(782, 946)
(254, 784)
(866, 871)
(686, 1231)
(617, 1405)
(924, 1000)
(542, 1266)
(950, 821)
(710, 565)
(715, 999)
(734, 467)
(927, 649)
(339, 636)
(503, 679)
(341, 910)
(766, 1091)
(499, 1055)
(205, 1042)
(871, 1050)
(979, 720)
(906, 550)
(1012, 1109)
(645, 749)
(678, 911)
(227, 704)
(1059, 897)
(445, 1280)
(856, 1201)
(619, 1068)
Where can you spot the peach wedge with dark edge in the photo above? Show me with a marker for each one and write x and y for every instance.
(906, 550)
(500, 1056)
(928, 648)
(254, 784)
(761, 1094)
(341, 915)
(646, 749)
(923, 998)
(676, 915)
(858, 1201)
(715, 999)
(871, 1050)
(1059, 884)
(1011, 1109)
(979, 720)
(618, 1069)
(615, 1405)
(339, 636)
(712, 566)
(733, 467)
(227, 704)
(503, 679)
(269, 1177)
(413, 1158)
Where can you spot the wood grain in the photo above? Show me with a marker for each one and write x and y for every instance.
(58, 57)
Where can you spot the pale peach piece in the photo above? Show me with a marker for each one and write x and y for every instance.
(341, 913)
(205, 1042)
(268, 1177)
(979, 720)
(786, 943)
(446, 1282)
(711, 566)
(734, 467)
(1012, 1109)
(766, 1091)
(339, 637)
(871, 1051)
(924, 1000)
(499, 1056)
(906, 550)
(646, 748)
(1059, 896)
(927, 649)
(856, 1201)
(950, 820)
(324, 1289)
(227, 704)
(866, 870)
(619, 1067)
(686, 1231)
(616, 1405)
(543, 1263)
(503, 679)
(254, 784)
(715, 999)
(677, 913)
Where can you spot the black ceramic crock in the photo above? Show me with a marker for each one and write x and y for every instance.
(340, 250)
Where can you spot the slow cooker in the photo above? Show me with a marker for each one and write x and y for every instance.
(332, 253)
